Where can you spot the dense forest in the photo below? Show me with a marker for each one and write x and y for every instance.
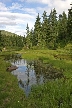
(11, 40)
(52, 32)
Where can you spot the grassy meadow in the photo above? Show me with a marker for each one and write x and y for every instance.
(53, 94)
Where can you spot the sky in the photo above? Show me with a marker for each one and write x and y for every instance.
(15, 14)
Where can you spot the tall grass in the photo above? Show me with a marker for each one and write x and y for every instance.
(53, 94)
(10, 94)
(63, 58)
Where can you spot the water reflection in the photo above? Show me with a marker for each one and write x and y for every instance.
(33, 72)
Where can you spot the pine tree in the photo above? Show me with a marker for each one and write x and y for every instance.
(69, 25)
(45, 28)
(24, 41)
(62, 29)
(0, 39)
(28, 41)
(31, 36)
(53, 30)
(37, 32)
(27, 30)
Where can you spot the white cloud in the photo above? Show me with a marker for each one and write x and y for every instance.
(60, 5)
(13, 21)
(14, 18)
(30, 11)
(5, 1)
(22, 0)
(15, 6)
(3, 7)
(16, 29)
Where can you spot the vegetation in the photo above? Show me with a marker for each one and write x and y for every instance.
(10, 40)
(55, 93)
(52, 33)
(10, 93)
(52, 39)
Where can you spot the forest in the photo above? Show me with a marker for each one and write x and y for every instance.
(52, 32)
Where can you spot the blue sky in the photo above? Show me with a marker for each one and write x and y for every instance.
(15, 14)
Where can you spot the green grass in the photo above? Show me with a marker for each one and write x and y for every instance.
(10, 93)
(53, 94)
(63, 58)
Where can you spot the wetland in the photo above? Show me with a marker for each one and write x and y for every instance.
(32, 72)
(41, 79)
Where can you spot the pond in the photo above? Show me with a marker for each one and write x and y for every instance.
(31, 73)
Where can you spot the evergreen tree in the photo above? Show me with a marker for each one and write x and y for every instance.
(27, 30)
(45, 28)
(37, 32)
(31, 36)
(69, 25)
(62, 29)
(24, 41)
(0, 39)
(28, 43)
(53, 30)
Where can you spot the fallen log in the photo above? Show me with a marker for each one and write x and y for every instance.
(11, 68)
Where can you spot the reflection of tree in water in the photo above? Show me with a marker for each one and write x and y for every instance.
(28, 70)
(25, 84)
(47, 70)
(38, 70)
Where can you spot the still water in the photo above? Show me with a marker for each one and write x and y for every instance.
(31, 73)
(26, 74)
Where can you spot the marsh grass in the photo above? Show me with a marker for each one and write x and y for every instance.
(63, 60)
(11, 96)
(53, 94)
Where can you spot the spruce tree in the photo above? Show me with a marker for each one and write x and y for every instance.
(0, 39)
(28, 41)
(37, 32)
(27, 30)
(53, 30)
(24, 41)
(45, 28)
(31, 36)
(69, 24)
(62, 29)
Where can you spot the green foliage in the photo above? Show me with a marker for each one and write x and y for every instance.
(69, 24)
(52, 32)
(53, 29)
(10, 94)
(68, 47)
(37, 32)
(10, 40)
(62, 30)
(45, 29)
(53, 94)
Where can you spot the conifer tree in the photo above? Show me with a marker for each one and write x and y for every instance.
(24, 41)
(37, 32)
(45, 28)
(53, 29)
(69, 24)
(31, 36)
(28, 41)
(27, 30)
(62, 29)
(0, 39)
